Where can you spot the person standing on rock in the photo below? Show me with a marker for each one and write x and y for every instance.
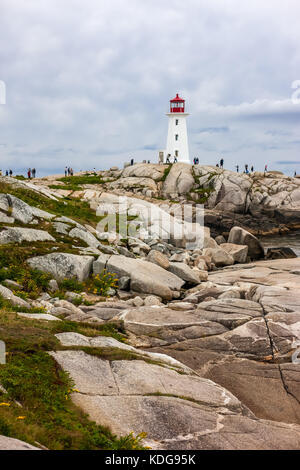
(252, 169)
(29, 173)
(33, 172)
(222, 163)
(237, 168)
(10, 173)
(266, 168)
(132, 162)
(66, 171)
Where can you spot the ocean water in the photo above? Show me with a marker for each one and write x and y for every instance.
(291, 240)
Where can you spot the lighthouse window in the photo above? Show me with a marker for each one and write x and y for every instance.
(176, 136)
(176, 123)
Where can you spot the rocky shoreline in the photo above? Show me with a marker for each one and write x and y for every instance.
(204, 352)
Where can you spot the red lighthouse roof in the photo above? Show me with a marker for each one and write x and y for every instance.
(177, 99)
(177, 105)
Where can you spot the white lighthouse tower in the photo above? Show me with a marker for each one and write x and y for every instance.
(177, 141)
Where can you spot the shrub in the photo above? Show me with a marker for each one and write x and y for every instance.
(101, 283)
(72, 285)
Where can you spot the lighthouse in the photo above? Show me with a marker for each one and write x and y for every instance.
(177, 141)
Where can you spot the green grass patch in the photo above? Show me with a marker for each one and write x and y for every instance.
(76, 182)
(166, 172)
(32, 377)
(73, 208)
(48, 415)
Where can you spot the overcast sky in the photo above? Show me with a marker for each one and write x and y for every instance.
(88, 82)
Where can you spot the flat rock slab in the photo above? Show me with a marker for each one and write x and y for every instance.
(8, 443)
(95, 376)
(176, 424)
(176, 411)
(259, 386)
(104, 342)
(63, 265)
(167, 323)
(38, 316)
(91, 375)
(230, 312)
(104, 313)
(267, 273)
(19, 235)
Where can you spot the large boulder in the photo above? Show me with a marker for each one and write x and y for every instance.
(158, 258)
(186, 273)
(63, 265)
(19, 235)
(13, 299)
(239, 236)
(132, 183)
(227, 190)
(145, 277)
(85, 236)
(239, 252)
(142, 170)
(282, 252)
(21, 211)
(219, 256)
(179, 181)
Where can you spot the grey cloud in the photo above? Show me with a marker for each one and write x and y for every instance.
(93, 80)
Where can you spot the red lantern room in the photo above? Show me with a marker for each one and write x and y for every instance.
(177, 105)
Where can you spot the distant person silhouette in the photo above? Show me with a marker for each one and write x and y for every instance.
(221, 162)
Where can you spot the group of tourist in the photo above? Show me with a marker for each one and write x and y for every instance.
(247, 169)
(7, 173)
(69, 171)
(169, 157)
(31, 172)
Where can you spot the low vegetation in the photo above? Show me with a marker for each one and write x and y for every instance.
(37, 407)
(69, 207)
